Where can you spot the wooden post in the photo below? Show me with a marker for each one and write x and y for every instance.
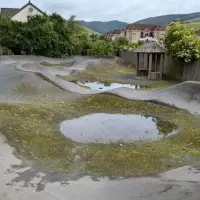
(150, 66)
(156, 62)
(161, 65)
(143, 67)
(138, 65)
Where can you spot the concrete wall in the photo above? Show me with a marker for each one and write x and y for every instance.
(173, 68)
(23, 14)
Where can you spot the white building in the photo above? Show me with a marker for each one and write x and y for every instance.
(21, 14)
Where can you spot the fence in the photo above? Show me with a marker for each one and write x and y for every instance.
(173, 68)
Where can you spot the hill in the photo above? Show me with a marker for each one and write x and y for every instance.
(166, 19)
(103, 27)
(195, 26)
(90, 31)
(193, 23)
(191, 20)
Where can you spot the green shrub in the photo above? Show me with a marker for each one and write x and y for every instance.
(182, 43)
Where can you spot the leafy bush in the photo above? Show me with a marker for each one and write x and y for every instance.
(43, 35)
(103, 48)
(111, 48)
(53, 36)
(5, 51)
(182, 43)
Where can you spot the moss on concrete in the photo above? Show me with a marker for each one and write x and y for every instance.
(33, 130)
(105, 72)
(112, 72)
(25, 88)
(46, 64)
(156, 85)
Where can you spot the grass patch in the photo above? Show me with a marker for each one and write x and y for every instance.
(110, 73)
(46, 64)
(90, 31)
(25, 88)
(33, 130)
(102, 73)
(85, 86)
(157, 85)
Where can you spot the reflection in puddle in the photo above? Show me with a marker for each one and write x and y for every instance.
(108, 86)
(114, 128)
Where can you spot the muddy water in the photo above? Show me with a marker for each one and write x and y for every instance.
(107, 86)
(114, 128)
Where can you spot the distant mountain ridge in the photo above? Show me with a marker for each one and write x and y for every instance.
(166, 19)
(103, 27)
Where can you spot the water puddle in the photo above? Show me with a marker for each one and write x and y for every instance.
(108, 86)
(115, 128)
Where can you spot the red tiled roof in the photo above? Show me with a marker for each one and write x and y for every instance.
(160, 28)
(116, 31)
(142, 27)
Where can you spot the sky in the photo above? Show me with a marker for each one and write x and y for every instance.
(105, 10)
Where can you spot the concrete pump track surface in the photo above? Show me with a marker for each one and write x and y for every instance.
(19, 180)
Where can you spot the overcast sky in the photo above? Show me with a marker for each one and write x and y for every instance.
(105, 10)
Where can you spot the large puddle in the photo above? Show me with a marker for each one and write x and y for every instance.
(107, 86)
(116, 128)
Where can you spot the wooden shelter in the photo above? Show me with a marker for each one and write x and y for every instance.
(150, 60)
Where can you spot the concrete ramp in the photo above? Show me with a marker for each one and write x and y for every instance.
(184, 95)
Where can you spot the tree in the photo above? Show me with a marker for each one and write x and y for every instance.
(46, 35)
(182, 43)
(121, 41)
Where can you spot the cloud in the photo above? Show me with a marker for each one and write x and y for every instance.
(105, 10)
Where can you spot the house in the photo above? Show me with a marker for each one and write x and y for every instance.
(122, 33)
(21, 14)
(112, 35)
(136, 32)
(144, 32)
